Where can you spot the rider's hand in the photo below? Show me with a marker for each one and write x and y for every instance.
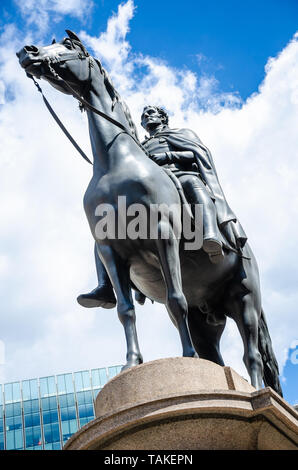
(159, 158)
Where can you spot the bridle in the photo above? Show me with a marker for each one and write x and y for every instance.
(47, 64)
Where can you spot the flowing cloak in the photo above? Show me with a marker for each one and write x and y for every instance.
(185, 139)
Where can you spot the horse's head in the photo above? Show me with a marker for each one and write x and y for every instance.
(67, 59)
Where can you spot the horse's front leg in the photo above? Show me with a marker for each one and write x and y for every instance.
(168, 250)
(119, 276)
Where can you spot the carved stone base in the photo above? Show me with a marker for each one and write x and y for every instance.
(187, 404)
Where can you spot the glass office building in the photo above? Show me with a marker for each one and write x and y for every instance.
(41, 414)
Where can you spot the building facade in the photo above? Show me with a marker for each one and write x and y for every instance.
(42, 414)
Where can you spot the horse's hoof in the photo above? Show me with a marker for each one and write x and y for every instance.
(132, 363)
(191, 353)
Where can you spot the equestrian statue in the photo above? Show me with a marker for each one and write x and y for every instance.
(200, 287)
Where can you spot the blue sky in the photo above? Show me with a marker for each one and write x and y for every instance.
(232, 68)
(229, 39)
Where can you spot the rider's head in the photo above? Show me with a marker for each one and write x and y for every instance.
(153, 116)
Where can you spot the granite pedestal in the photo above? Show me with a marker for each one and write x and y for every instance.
(186, 404)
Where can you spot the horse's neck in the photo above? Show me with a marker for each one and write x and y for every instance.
(107, 147)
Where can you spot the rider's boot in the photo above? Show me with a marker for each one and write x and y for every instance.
(212, 244)
(103, 295)
(211, 238)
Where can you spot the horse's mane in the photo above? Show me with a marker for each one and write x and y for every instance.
(116, 98)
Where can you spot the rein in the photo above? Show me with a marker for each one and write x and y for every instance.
(83, 103)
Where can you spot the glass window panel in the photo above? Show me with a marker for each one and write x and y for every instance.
(95, 378)
(69, 383)
(33, 436)
(56, 446)
(73, 426)
(17, 409)
(78, 381)
(51, 433)
(35, 406)
(65, 383)
(34, 388)
(30, 389)
(16, 391)
(14, 439)
(8, 393)
(32, 419)
(113, 371)
(1, 441)
(1, 399)
(45, 404)
(43, 383)
(47, 430)
(26, 390)
(50, 416)
(1, 425)
(68, 413)
(63, 400)
(27, 406)
(1, 411)
(65, 428)
(49, 403)
(14, 422)
(53, 403)
(85, 410)
(37, 435)
(31, 406)
(95, 392)
(10, 440)
(9, 410)
(69, 428)
(70, 399)
(103, 376)
(55, 432)
(80, 398)
(86, 379)
(29, 437)
(88, 397)
(48, 447)
(47, 386)
(19, 439)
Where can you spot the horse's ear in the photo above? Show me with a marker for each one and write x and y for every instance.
(73, 35)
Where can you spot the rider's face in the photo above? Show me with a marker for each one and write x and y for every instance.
(150, 118)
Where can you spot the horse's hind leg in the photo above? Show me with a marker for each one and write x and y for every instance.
(119, 275)
(205, 337)
(244, 306)
(168, 251)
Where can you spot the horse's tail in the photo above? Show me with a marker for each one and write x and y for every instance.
(271, 371)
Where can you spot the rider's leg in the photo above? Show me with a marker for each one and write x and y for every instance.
(103, 294)
(196, 193)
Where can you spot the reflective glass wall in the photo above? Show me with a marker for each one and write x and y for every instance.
(41, 414)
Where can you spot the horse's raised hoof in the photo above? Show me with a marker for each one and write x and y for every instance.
(99, 297)
(135, 361)
(214, 250)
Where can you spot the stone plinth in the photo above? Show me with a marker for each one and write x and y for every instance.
(186, 404)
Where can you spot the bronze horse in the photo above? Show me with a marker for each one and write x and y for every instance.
(160, 268)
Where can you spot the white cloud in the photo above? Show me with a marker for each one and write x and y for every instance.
(38, 12)
(46, 255)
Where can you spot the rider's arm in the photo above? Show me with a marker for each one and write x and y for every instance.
(186, 156)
